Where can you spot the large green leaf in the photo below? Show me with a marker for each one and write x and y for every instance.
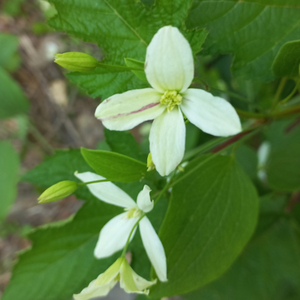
(9, 45)
(60, 261)
(114, 166)
(12, 99)
(122, 29)
(269, 269)
(283, 166)
(252, 30)
(218, 208)
(287, 61)
(124, 143)
(9, 167)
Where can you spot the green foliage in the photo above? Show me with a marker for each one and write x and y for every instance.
(59, 167)
(12, 7)
(132, 63)
(9, 47)
(13, 101)
(268, 269)
(287, 61)
(247, 158)
(218, 209)
(9, 167)
(124, 143)
(123, 29)
(283, 167)
(114, 166)
(247, 29)
(61, 261)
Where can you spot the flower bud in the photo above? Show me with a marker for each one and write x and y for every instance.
(150, 163)
(58, 191)
(76, 61)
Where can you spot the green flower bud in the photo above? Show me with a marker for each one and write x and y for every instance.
(150, 163)
(58, 191)
(76, 61)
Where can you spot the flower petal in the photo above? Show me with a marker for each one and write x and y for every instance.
(131, 282)
(167, 141)
(144, 201)
(213, 115)
(114, 235)
(154, 248)
(94, 290)
(106, 191)
(169, 61)
(127, 110)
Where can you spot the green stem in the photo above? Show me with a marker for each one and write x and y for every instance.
(279, 91)
(130, 234)
(90, 182)
(251, 115)
(121, 68)
(203, 148)
(288, 112)
(236, 139)
(282, 102)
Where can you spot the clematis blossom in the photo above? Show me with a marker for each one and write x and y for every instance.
(169, 69)
(118, 271)
(114, 234)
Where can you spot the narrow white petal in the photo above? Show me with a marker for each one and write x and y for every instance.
(154, 248)
(213, 115)
(106, 191)
(144, 201)
(169, 61)
(127, 110)
(114, 235)
(94, 290)
(167, 141)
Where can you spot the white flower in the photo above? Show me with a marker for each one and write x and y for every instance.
(118, 271)
(169, 68)
(114, 234)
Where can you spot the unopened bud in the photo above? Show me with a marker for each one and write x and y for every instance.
(150, 164)
(58, 191)
(76, 61)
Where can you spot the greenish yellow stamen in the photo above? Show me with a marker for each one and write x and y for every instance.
(171, 99)
(134, 212)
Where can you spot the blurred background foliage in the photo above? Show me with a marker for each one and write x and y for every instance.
(40, 111)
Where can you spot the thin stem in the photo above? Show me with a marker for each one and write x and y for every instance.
(279, 91)
(282, 114)
(165, 188)
(282, 102)
(90, 182)
(121, 68)
(251, 115)
(130, 234)
(203, 148)
(238, 138)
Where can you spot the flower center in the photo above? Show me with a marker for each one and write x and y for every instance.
(171, 99)
(133, 212)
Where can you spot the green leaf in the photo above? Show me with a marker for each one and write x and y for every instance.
(132, 63)
(268, 269)
(283, 166)
(124, 143)
(9, 167)
(114, 166)
(13, 101)
(287, 61)
(247, 158)
(247, 29)
(59, 167)
(218, 208)
(61, 260)
(9, 47)
(122, 29)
